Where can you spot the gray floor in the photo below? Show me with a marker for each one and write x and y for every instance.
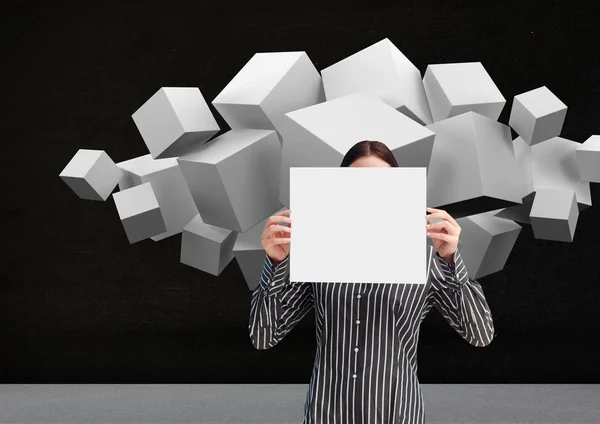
(270, 403)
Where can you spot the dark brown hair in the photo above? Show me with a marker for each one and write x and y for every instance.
(366, 148)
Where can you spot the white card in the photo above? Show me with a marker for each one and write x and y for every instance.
(358, 224)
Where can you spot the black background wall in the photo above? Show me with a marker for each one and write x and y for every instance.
(78, 303)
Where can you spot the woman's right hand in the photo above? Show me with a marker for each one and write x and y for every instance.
(276, 237)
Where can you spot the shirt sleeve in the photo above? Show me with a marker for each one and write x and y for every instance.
(277, 304)
(460, 299)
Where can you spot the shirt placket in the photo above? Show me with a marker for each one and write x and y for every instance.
(357, 349)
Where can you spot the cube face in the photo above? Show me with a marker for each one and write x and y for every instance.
(587, 157)
(257, 78)
(455, 88)
(139, 212)
(239, 116)
(233, 179)
(135, 200)
(169, 186)
(157, 123)
(104, 176)
(268, 86)
(522, 121)
(91, 174)
(144, 225)
(554, 166)
(173, 119)
(472, 158)
(537, 115)
(554, 214)
(82, 188)
(541, 102)
(320, 135)
(552, 203)
(487, 242)
(206, 247)
(199, 253)
(81, 163)
(383, 71)
(524, 157)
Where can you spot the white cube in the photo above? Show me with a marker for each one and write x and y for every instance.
(384, 71)
(170, 188)
(456, 88)
(206, 247)
(234, 178)
(537, 115)
(139, 212)
(91, 174)
(174, 120)
(266, 88)
(587, 157)
(554, 214)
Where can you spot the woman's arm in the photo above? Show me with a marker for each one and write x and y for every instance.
(277, 304)
(460, 299)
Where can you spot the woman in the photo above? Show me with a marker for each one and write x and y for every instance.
(365, 368)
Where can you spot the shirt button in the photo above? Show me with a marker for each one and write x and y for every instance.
(353, 375)
(358, 296)
(356, 349)
(358, 321)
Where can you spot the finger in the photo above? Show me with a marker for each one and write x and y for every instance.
(449, 218)
(438, 226)
(276, 219)
(275, 228)
(442, 215)
(442, 236)
(276, 240)
(271, 234)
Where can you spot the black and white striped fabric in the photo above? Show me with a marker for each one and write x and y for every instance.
(365, 368)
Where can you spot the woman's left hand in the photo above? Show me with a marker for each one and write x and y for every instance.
(444, 234)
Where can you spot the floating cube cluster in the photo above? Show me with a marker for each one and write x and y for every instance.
(218, 190)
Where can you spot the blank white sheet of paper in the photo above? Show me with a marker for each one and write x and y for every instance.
(358, 224)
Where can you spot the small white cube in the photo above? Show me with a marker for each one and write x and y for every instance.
(207, 247)
(139, 212)
(537, 115)
(554, 214)
(91, 174)
(455, 88)
(174, 120)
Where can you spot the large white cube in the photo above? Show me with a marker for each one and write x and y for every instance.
(234, 179)
(473, 166)
(91, 174)
(266, 88)
(384, 71)
(174, 120)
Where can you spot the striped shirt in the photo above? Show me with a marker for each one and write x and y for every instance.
(365, 368)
